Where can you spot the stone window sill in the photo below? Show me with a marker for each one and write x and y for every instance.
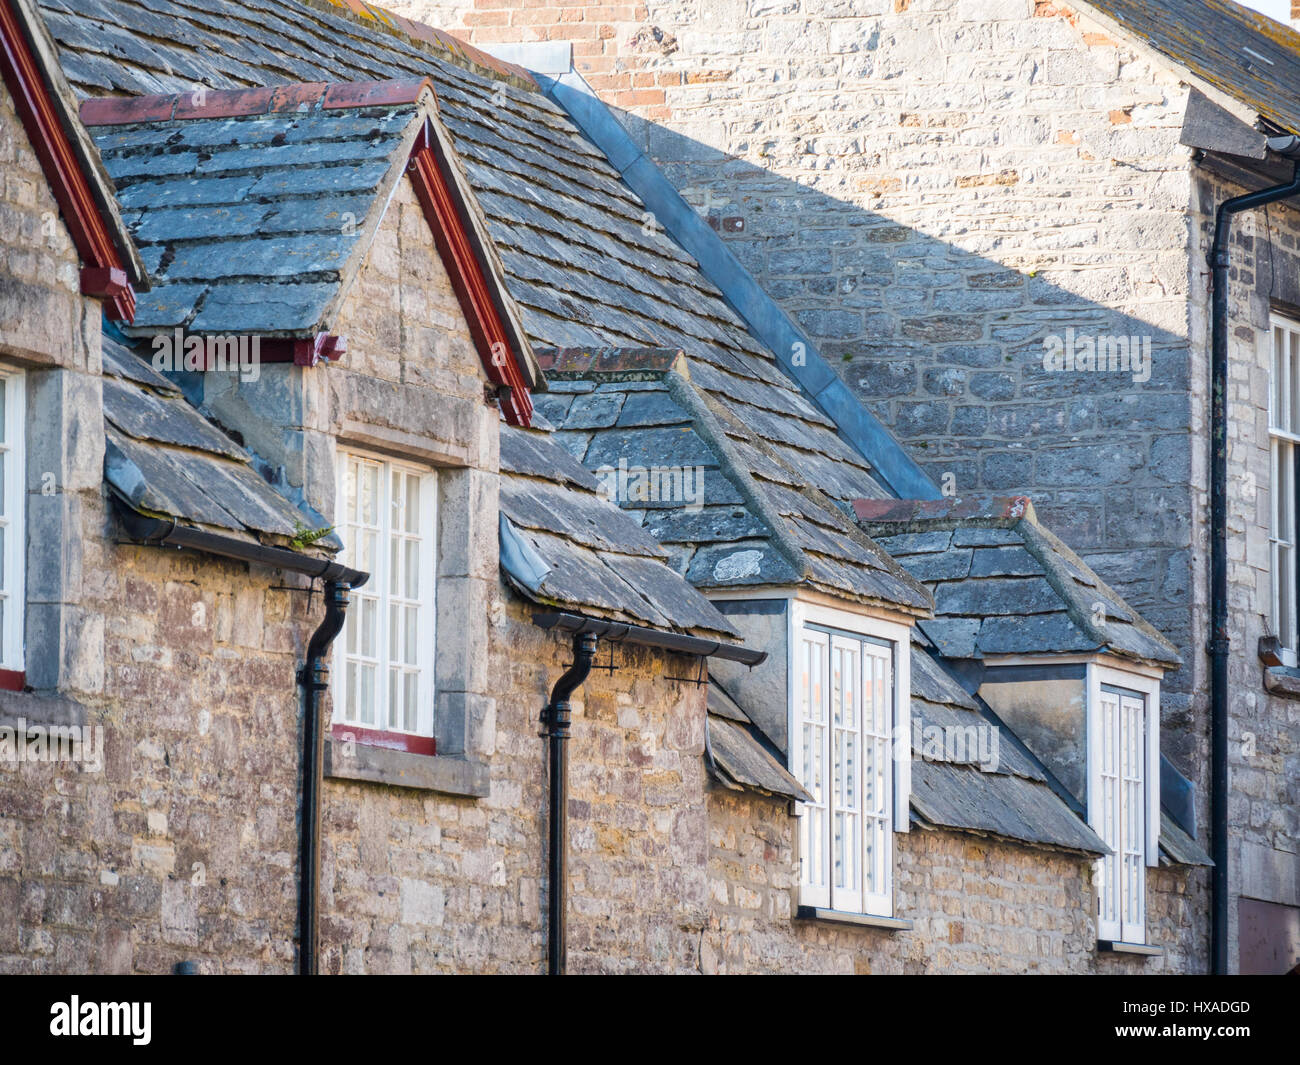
(865, 920)
(1283, 681)
(401, 769)
(43, 710)
(1116, 946)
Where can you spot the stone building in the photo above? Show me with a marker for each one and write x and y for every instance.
(937, 195)
(317, 324)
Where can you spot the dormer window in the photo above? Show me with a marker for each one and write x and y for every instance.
(847, 723)
(1123, 796)
(1096, 725)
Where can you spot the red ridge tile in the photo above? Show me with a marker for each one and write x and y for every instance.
(375, 93)
(124, 111)
(223, 103)
(297, 97)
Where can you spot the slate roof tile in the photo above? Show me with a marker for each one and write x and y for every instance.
(600, 561)
(164, 458)
(963, 779)
(1026, 593)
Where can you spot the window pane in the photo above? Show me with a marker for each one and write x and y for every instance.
(411, 569)
(411, 681)
(1275, 381)
(394, 700)
(412, 503)
(1293, 379)
(367, 695)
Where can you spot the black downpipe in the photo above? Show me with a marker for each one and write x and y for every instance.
(314, 678)
(1219, 643)
(555, 721)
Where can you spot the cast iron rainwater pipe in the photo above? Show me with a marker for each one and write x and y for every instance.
(314, 677)
(555, 721)
(1219, 643)
(555, 728)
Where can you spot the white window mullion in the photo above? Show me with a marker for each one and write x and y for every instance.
(847, 750)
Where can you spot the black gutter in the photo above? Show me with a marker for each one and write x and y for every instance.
(555, 722)
(617, 632)
(166, 532)
(313, 677)
(1219, 643)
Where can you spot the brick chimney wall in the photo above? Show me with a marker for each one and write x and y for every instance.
(624, 57)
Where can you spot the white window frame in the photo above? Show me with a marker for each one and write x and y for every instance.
(1129, 925)
(377, 591)
(1283, 439)
(13, 456)
(846, 630)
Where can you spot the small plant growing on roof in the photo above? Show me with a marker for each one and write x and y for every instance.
(304, 537)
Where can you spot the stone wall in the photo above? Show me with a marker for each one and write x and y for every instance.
(1264, 729)
(43, 317)
(423, 882)
(52, 332)
(977, 905)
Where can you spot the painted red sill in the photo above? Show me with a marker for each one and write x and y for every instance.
(12, 680)
(342, 732)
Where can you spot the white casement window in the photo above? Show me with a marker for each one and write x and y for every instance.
(1284, 436)
(851, 750)
(13, 524)
(1124, 796)
(384, 658)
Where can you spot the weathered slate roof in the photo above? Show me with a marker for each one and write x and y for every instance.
(164, 459)
(581, 256)
(723, 484)
(564, 546)
(1177, 847)
(1004, 585)
(251, 222)
(740, 756)
(951, 789)
(1244, 54)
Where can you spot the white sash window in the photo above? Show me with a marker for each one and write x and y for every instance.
(1123, 797)
(842, 745)
(1284, 437)
(13, 524)
(384, 657)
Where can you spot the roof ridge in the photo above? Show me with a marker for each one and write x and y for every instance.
(260, 100)
(440, 44)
